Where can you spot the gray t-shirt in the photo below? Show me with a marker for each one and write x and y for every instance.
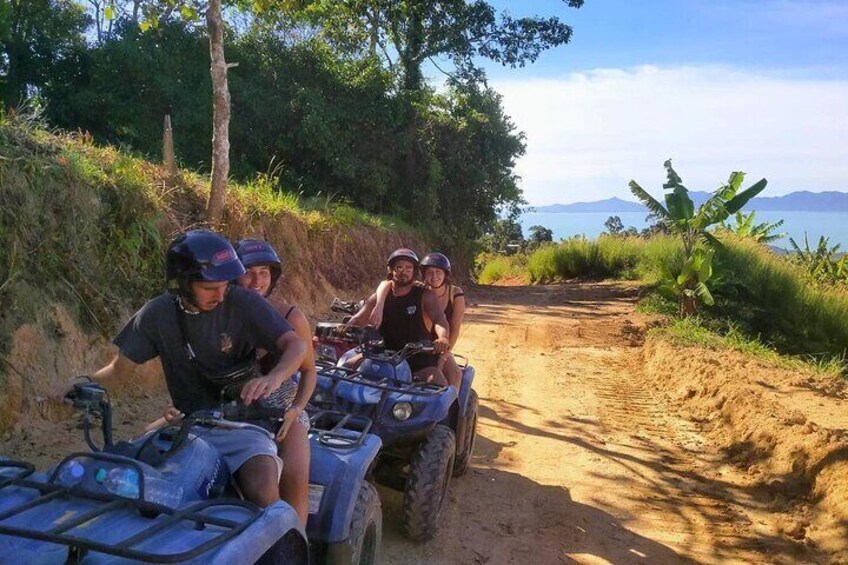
(224, 339)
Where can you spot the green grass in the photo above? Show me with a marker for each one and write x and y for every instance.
(773, 298)
(265, 196)
(758, 294)
(695, 331)
(87, 226)
(606, 257)
(499, 267)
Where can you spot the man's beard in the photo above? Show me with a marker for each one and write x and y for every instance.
(402, 284)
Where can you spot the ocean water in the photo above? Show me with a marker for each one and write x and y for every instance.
(833, 225)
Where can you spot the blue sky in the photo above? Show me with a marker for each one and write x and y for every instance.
(758, 86)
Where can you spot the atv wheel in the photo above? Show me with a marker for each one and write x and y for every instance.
(366, 527)
(463, 452)
(291, 549)
(427, 484)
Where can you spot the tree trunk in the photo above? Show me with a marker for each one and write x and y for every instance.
(688, 306)
(220, 115)
(168, 156)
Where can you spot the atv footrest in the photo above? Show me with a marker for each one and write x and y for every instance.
(110, 524)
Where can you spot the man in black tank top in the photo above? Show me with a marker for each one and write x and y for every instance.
(404, 316)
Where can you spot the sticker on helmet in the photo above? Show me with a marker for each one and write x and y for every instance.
(223, 256)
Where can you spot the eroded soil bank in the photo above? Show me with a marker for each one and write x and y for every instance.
(596, 447)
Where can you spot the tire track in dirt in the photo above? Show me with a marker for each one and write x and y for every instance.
(578, 459)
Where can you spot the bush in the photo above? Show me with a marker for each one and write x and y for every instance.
(493, 268)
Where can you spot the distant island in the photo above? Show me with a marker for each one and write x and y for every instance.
(801, 201)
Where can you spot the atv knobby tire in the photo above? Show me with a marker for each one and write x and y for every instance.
(430, 471)
(366, 527)
(463, 452)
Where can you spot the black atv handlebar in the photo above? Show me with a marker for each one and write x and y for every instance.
(346, 306)
(94, 399)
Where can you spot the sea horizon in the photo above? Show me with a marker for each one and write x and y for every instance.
(833, 225)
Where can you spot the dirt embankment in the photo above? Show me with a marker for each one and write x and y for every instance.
(318, 264)
(786, 430)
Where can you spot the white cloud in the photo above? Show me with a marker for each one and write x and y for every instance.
(589, 133)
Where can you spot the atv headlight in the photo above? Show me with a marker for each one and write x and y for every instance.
(402, 411)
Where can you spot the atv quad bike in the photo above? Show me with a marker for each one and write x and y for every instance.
(427, 431)
(160, 498)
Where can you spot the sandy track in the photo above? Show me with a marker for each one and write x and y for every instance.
(579, 457)
(578, 460)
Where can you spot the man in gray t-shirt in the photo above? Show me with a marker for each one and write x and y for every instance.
(204, 331)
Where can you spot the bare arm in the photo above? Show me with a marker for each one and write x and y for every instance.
(361, 318)
(293, 351)
(456, 319)
(382, 293)
(120, 367)
(308, 373)
(434, 311)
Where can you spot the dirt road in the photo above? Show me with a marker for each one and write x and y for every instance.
(576, 460)
(579, 458)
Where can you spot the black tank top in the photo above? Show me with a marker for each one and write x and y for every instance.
(403, 319)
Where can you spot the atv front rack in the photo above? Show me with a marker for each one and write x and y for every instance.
(339, 429)
(353, 376)
(63, 515)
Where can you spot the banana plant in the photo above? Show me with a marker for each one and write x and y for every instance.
(680, 216)
(763, 232)
(690, 284)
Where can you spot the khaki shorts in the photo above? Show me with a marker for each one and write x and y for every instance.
(237, 446)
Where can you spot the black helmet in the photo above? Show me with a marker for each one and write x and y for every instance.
(255, 252)
(402, 253)
(438, 260)
(200, 255)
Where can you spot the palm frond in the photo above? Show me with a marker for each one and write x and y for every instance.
(649, 201)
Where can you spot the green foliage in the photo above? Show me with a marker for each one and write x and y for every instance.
(332, 127)
(493, 268)
(505, 232)
(80, 226)
(764, 232)
(822, 265)
(36, 35)
(420, 30)
(679, 215)
(607, 257)
(541, 234)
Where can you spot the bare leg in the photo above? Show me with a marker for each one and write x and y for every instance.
(294, 482)
(431, 375)
(257, 479)
(452, 372)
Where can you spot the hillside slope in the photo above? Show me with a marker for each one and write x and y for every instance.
(84, 230)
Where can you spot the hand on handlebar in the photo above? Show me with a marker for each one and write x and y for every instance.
(441, 345)
(66, 391)
(173, 416)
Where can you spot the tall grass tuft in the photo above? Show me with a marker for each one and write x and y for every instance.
(606, 257)
(775, 300)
